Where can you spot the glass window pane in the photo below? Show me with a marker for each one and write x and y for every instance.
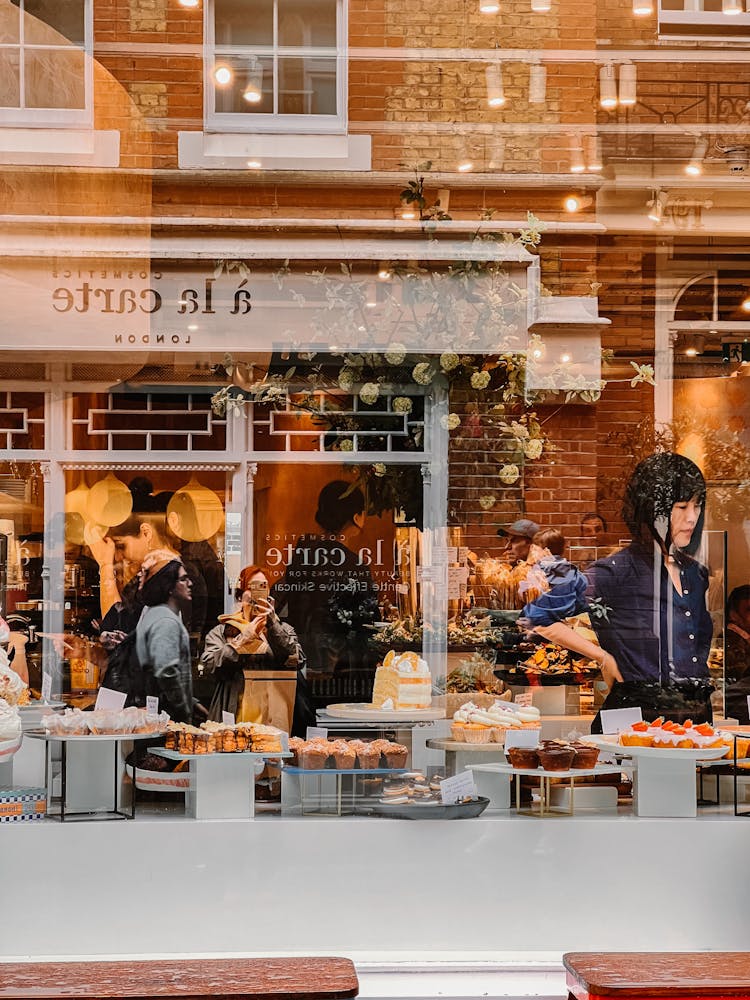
(66, 20)
(9, 21)
(238, 22)
(250, 79)
(307, 22)
(307, 86)
(54, 78)
(9, 79)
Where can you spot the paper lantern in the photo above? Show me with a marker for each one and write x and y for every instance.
(110, 502)
(195, 513)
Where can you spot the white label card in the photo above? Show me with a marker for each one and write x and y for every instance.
(463, 554)
(521, 738)
(284, 742)
(316, 733)
(452, 554)
(525, 699)
(457, 787)
(456, 581)
(227, 718)
(152, 705)
(47, 687)
(402, 588)
(614, 720)
(110, 701)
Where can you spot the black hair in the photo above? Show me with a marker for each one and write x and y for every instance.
(593, 516)
(149, 510)
(338, 504)
(158, 588)
(741, 593)
(657, 484)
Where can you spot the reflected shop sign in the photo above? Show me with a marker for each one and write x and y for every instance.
(224, 306)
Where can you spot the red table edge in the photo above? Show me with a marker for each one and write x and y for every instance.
(577, 990)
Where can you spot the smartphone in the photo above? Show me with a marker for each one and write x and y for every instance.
(258, 592)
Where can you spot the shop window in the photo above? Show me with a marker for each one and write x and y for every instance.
(21, 420)
(276, 65)
(45, 76)
(701, 17)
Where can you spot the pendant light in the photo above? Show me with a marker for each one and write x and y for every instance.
(607, 87)
(109, 501)
(694, 167)
(594, 162)
(493, 75)
(195, 513)
(253, 92)
(541, 6)
(223, 75)
(732, 7)
(537, 83)
(643, 8)
(577, 162)
(627, 95)
(488, 6)
(188, 3)
(75, 504)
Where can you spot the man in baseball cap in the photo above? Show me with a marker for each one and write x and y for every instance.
(519, 535)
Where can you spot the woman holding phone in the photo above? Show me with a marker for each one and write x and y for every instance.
(252, 638)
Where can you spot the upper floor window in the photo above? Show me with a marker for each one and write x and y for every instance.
(276, 65)
(725, 19)
(45, 75)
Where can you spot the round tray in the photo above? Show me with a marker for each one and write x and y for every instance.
(522, 678)
(461, 810)
(160, 781)
(8, 748)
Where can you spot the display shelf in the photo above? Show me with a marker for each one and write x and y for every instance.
(259, 755)
(501, 797)
(365, 771)
(364, 711)
(307, 793)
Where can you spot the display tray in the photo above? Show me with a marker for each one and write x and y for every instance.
(456, 746)
(159, 781)
(610, 743)
(10, 747)
(526, 678)
(37, 704)
(218, 754)
(539, 772)
(369, 772)
(41, 734)
(366, 712)
(420, 810)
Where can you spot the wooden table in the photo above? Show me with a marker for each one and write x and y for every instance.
(677, 975)
(264, 978)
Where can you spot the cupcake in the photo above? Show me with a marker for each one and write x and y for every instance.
(584, 756)
(474, 733)
(395, 755)
(526, 757)
(313, 756)
(344, 755)
(458, 732)
(556, 758)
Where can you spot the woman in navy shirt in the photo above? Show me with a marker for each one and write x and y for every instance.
(647, 602)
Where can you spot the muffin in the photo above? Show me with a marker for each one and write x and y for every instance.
(556, 758)
(395, 755)
(526, 757)
(344, 755)
(584, 755)
(295, 745)
(313, 756)
(368, 758)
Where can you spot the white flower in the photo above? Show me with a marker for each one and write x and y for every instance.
(395, 354)
(487, 502)
(450, 421)
(509, 474)
(379, 469)
(643, 373)
(306, 356)
(480, 380)
(369, 393)
(518, 430)
(401, 404)
(346, 445)
(449, 361)
(533, 449)
(346, 379)
(422, 373)
(235, 406)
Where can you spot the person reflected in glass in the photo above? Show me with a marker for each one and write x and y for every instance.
(647, 601)
(737, 655)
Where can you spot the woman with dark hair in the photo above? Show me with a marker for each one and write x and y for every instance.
(647, 602)
(162, 641)
(326, 594)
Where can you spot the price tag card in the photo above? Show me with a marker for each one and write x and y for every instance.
(521, 738)
(110, 701)
(47, 687)
(456, 581)
(614, 720)
(457, 787)
(452, 554)
(402, 588)
(152, 705)
(284, 742)
(227, 718)
(525, 699)
(463, 554)
(316, 733)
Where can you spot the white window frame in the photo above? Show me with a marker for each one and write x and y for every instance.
(275, 122)
(672, 21)
(56, 117)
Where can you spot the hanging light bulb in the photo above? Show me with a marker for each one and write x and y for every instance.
(541, 6)
(537, 83)
(223, 75)
(253, 92)
(607, 87)
(577, 202)
(493, 75)
(657, 205)
(627, 85)
(488, 6)
(594, 162)
(577, 162)
(694, 166)
(642, 8)
(496, 154)
(732, 7)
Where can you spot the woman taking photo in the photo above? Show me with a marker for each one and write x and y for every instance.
(647, 602)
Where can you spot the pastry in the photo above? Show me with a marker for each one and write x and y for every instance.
(368, 758)
(344, 755)
(526, 757)
(585, 755)
(555, 758)
(314, 755)
(396, 754)
(402, 682)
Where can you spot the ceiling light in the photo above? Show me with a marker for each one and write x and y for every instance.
(188, 3)
(384, 271)
(594, 162)
(657, 205)
(488, 6)
(493, 75)
(541, 6)
(627, 84)
(577, 162)
(732, 7)
(693, 344)
(565, 359)
(607, 87)
(695, 165)
(253, 92)
(577, 202)
(537, 83)
(254, 164)
(642, 8)
(223, 75)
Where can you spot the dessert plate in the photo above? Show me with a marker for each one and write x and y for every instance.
(367, 712)
(610, 743)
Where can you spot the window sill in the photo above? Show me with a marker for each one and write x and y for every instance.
(225, 151)
(51, 147)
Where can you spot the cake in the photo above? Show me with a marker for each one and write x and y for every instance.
(10, 722)
(12, 688)
(402, 683)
